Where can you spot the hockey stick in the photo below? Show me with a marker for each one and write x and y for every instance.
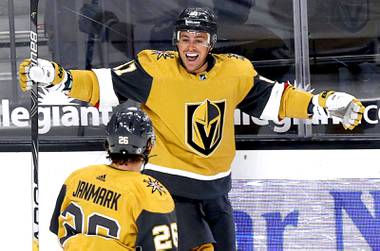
(34, 123)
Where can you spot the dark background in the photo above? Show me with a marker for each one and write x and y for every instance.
(343, 55)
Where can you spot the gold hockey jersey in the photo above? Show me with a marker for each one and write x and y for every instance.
(193, 114)
(101, 208)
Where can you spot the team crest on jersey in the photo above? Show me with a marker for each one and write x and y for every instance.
(204, 126)
(163, 54)
(231, 55)
(155, 185)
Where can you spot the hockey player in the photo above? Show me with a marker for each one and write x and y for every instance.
(190, 95)
(115, 207)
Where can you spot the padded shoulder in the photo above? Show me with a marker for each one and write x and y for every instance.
(157, 62)
(236, 64)
(154, 196)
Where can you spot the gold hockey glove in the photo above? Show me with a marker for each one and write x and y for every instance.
(46, 73)
(342, 106)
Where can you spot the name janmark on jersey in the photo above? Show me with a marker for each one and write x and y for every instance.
(96, 194)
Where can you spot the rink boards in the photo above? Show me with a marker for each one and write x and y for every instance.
(307, 215)
(282, 200)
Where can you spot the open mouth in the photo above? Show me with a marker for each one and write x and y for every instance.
(191, 56)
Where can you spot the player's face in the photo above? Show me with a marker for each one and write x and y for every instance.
(193, 48)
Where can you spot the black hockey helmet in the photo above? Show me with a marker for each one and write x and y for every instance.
(196, 19)
(130, 132)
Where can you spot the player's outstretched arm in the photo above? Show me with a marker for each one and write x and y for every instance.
(297, 103)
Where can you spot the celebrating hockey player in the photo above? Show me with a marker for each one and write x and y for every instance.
(115, 207)
(190, 95)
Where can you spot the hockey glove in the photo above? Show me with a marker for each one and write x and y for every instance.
(46, 73)
(342, 106)
(94, 21)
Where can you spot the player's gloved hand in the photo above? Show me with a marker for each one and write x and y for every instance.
(45, 73)
(345, 107)
(94, 21)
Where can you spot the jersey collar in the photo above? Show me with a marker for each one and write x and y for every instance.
(211, 61)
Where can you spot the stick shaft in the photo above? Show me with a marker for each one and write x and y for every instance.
(34, 124)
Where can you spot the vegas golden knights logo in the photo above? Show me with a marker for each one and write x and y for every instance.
(204, 125)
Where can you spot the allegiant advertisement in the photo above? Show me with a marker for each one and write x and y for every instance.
(59, 114)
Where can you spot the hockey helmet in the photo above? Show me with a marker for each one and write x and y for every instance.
(130, 132)
(196, 19)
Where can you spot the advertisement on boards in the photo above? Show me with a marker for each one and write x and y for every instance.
(60, 115)
(307, 215)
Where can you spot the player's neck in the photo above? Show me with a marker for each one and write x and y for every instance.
(133, 167)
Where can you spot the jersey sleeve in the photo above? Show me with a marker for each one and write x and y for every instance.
(295, 103)
(130, 80)
(134, 79)
(54, 222)
(156, 220)
(105, 87)
(272, 100)
(85, 86)
(157, 231)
